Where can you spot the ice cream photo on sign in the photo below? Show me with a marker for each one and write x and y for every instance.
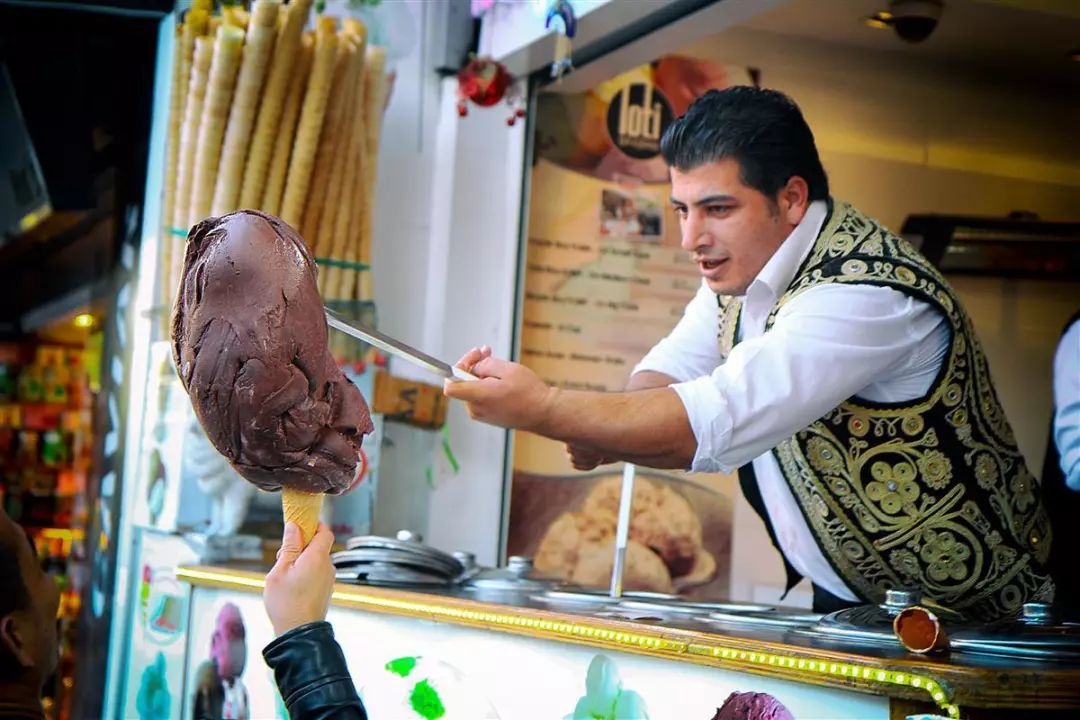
(249, 339)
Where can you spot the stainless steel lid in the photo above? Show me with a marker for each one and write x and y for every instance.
(725, 613)
(517, 576)
(874, 623)
(1038, 632)
(407, 550)
(784, 620)
(689, 607)
(387, 574)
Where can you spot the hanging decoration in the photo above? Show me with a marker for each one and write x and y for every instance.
(561, 18)
(487, 82)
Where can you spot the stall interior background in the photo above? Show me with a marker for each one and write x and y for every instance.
(977, 120)
(980, 119)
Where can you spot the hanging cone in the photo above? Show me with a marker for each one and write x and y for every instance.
(303, 509)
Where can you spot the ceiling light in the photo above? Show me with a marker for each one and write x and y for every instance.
(84, 320)
(880, 20)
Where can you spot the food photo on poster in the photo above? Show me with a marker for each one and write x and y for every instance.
(605, 279)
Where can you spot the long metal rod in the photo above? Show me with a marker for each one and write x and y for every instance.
(622, 530)
(395, 347)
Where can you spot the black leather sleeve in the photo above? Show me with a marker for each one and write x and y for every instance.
(311, 675)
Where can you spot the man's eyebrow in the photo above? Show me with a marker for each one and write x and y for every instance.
(707, 200)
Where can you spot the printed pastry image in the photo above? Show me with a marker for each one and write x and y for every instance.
(664, 551)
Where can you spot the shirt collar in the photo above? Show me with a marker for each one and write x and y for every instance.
(780, 270)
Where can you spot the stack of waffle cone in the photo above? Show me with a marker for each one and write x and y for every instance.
(268, 116)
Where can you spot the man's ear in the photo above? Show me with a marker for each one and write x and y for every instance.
(14, 642)
(794, 199)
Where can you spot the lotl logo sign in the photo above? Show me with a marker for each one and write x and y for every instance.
(637, 118)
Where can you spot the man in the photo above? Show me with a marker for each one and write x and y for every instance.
(827, 360)
(1063, 450)
(1061, 470)
(29, 649)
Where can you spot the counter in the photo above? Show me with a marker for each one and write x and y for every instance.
(528, 659)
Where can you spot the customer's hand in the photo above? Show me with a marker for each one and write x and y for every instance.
(299, 586)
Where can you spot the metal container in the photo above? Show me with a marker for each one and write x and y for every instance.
(690, 608)
(775, 619)
(1037, 633)
(517, 577)
(406, 552)
(389, 575)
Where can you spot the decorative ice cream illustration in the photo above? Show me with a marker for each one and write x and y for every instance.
(219, 691)
(752, 706)
(153, 700)
(162, 602)
(420, 688)
(605, 698)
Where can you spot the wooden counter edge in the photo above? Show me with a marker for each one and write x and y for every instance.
(949, 686)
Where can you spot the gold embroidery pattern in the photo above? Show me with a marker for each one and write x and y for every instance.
(932, 493)
(730, 310)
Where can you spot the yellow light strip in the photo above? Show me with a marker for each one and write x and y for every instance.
(219, 578)
(852, 670)
(735, 656)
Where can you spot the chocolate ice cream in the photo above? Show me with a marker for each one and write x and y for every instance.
(752, 706)
(249, 342)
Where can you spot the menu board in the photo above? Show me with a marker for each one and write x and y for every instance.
(605, 279)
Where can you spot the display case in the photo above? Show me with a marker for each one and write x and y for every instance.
(556, 652)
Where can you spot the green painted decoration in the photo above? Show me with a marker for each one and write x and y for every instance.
(426, 702)
(402, 666)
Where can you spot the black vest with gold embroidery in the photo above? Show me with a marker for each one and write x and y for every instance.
(931, 493)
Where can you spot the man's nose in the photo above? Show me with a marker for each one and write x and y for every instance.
(693, 233)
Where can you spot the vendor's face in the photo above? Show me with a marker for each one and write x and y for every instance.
(731, 230)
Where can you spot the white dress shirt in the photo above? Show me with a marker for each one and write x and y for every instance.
(828, 344)
(1067, 404)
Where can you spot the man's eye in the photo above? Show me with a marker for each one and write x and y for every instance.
(680, 211)
(718, 209)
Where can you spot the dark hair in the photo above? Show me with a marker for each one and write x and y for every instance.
(762, 130)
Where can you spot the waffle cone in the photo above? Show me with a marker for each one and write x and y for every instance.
(303, 509)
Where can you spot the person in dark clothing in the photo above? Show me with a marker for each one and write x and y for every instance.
(1061, 471)
(29, 647)
(308, 664)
